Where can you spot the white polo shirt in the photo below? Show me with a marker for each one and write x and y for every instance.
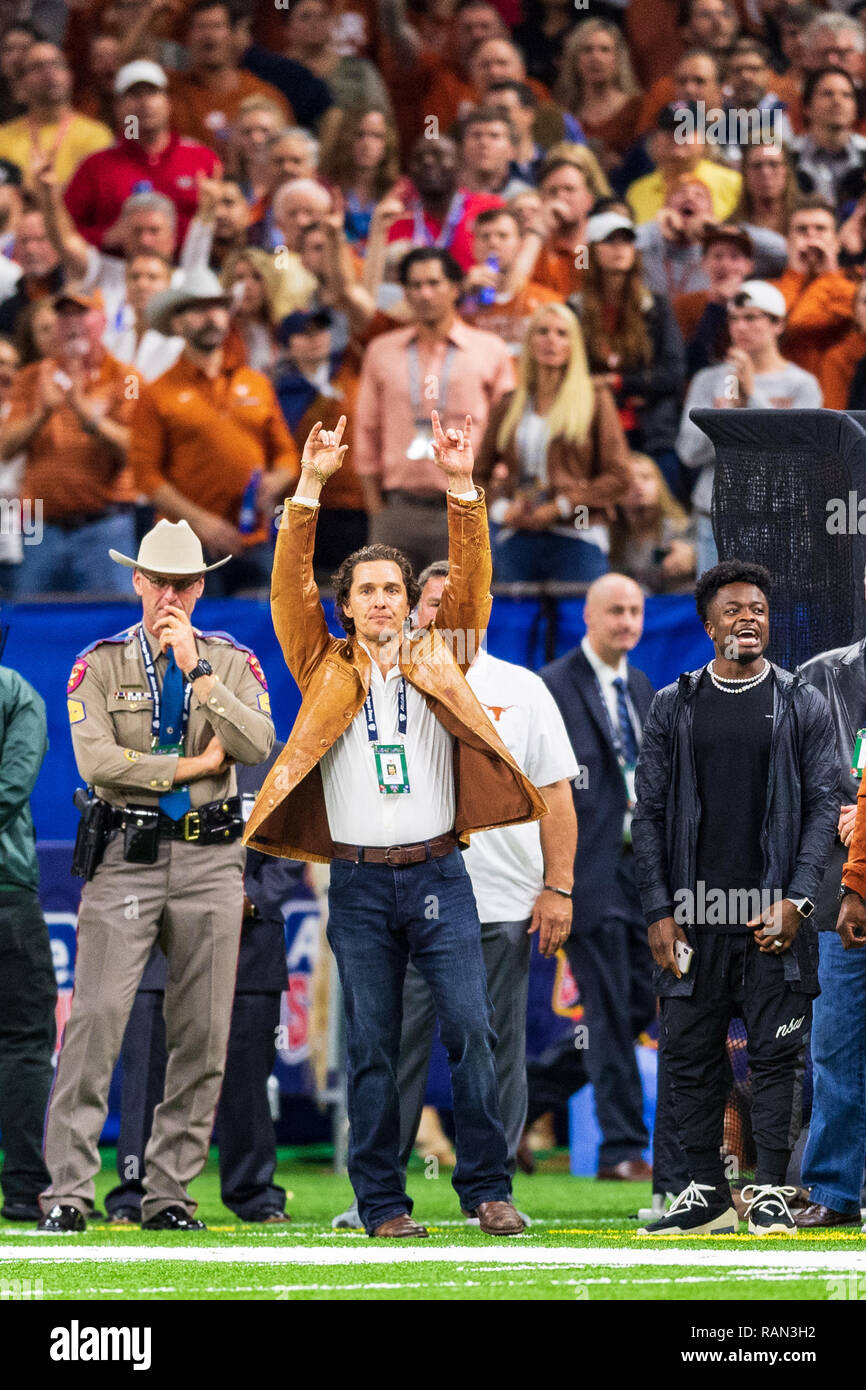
(506, 865)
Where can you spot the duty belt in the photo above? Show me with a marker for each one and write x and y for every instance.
(214, 823)
(398, 856)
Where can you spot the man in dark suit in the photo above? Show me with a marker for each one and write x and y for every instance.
(604, 701)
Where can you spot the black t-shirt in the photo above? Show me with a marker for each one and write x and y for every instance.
(732, 735)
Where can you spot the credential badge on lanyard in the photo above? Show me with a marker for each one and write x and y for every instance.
(150, 673)
(392, 773)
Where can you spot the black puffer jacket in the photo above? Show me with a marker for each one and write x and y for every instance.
(803, 798)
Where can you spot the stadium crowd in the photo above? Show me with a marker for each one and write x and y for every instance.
(225, 224)
(574, 227)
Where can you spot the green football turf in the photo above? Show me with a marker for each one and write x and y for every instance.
(573, 1218)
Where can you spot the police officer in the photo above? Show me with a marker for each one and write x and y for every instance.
(245, 1130)
(159, 714)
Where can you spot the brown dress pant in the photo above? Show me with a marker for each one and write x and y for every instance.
(191, 900)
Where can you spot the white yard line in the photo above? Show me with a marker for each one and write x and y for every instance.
(794, 1260)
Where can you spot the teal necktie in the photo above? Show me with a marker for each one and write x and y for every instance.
(174, 803)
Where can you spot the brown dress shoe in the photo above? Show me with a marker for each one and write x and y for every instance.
(401, 1226)
(499, 1219)
(816, 1215)
(630, 1170)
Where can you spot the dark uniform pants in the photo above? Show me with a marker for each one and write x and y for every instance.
(28, 995)
(613, 970)
(734, 979)
(191, 899)
(245, 1130)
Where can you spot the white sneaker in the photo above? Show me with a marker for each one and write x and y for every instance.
(767, 1209)
(700, 1210)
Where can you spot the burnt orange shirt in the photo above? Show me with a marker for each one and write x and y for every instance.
(510, 320)
(838, 367)
(655, 39)
(74, 472)
(688, 308)
(208, 437)
(660, 94)
(555, 268)
(617, 134)
(205, 115)
(819, 316)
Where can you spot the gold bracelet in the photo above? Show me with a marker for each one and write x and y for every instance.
(311, 468)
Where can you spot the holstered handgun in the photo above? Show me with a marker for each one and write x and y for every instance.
(91, 838)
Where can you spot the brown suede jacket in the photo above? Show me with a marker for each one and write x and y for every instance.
(289, 818)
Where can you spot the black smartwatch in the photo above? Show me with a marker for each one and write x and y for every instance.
(202, 668)
(844, 890)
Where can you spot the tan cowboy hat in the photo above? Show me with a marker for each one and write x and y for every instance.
(199, 286)
(170, 548)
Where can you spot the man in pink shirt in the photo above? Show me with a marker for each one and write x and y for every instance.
(437, 363)
(148, 157)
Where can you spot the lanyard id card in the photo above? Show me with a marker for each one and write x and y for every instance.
(168, 748)
(392, 773)
(858, 762)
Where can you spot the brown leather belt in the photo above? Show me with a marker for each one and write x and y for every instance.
(398, 856)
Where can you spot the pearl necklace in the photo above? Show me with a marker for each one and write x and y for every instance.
(737, 687)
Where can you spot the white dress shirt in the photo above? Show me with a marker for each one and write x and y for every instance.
(358, 813)
(606, 675)
(506, 865)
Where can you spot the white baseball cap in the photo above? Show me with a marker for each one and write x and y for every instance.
(604, 224)
(759, 294)
(141, 70)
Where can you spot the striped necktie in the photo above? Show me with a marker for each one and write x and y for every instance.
(626, 728)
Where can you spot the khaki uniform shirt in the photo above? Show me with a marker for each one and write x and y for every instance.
(110, 712)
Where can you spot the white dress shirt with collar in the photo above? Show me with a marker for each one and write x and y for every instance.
(606, 675)
(358, 813)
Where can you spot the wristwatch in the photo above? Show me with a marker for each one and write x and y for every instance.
(202, 668)
(844, 890)
(804, 906)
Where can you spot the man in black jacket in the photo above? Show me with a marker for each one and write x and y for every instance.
(603, 700)
(832, 1165)
(737, 807)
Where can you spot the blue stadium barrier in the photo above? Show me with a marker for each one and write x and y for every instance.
(45, 639)
(44, 642)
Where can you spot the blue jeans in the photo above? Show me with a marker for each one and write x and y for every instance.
(708, 555)
(379, 917)
(77, 561)
(537, 555)
(833, 1158)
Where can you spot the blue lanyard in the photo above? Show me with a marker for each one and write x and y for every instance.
(150, 672)
(370, 713)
